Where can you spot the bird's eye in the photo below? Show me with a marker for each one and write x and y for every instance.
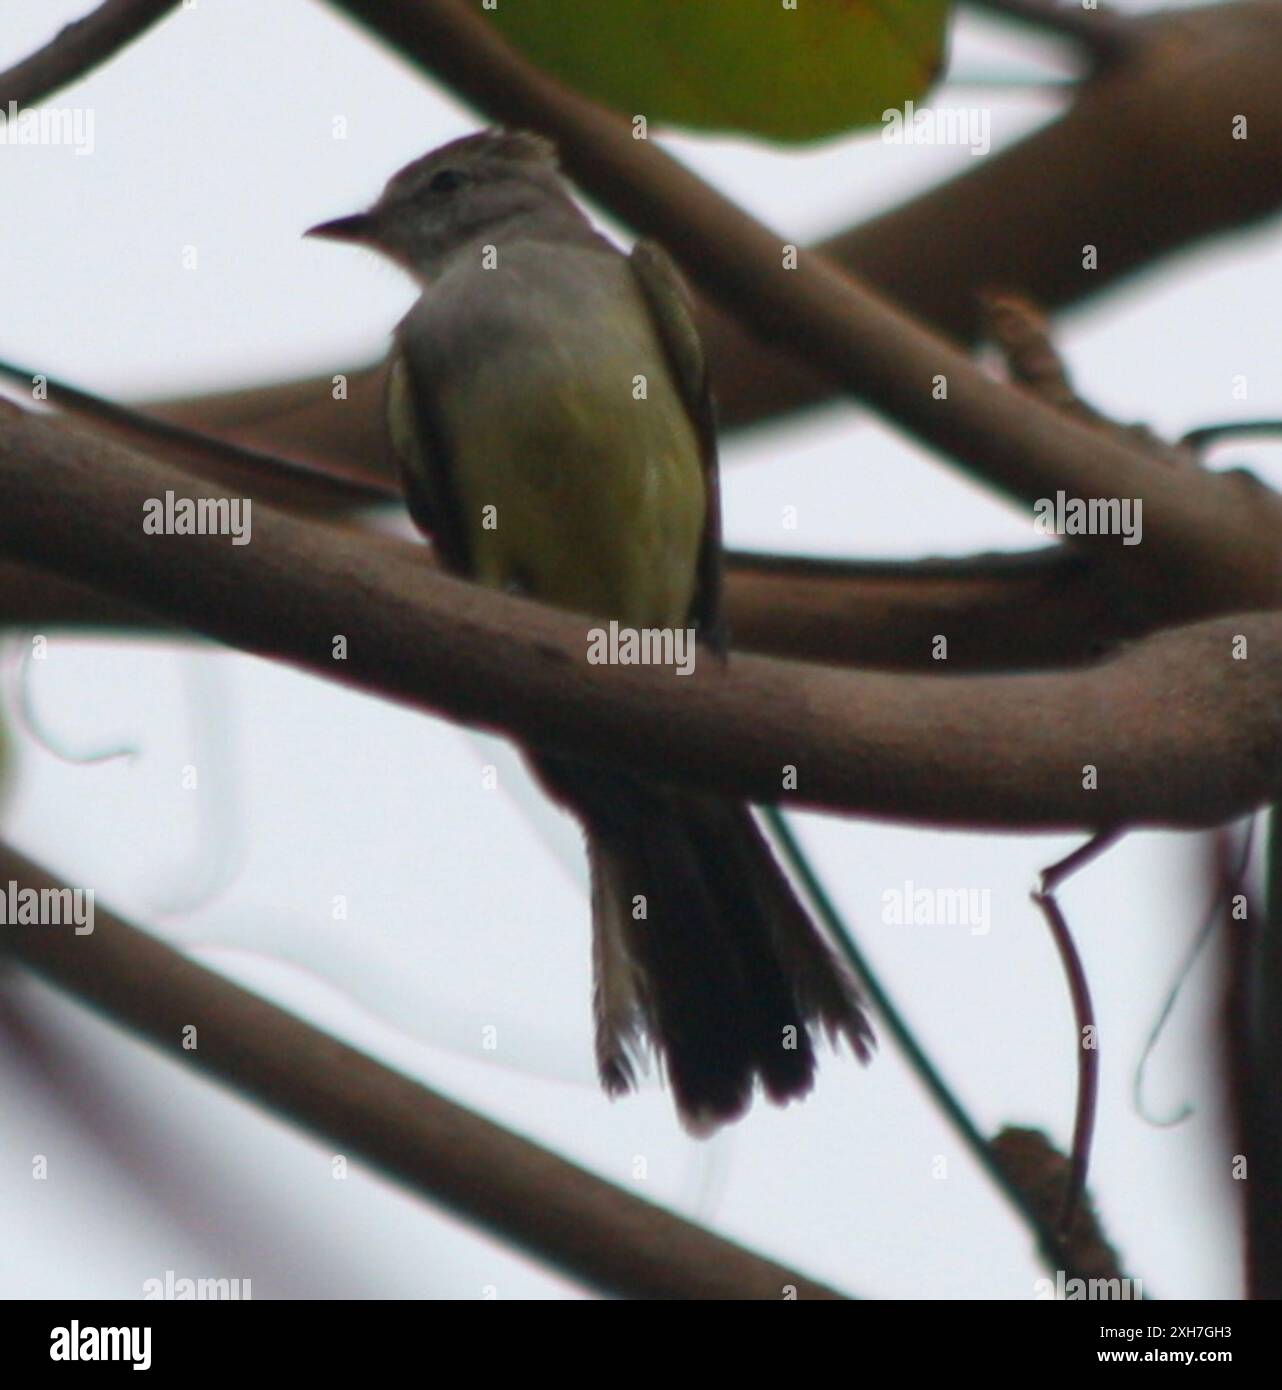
(446, 181)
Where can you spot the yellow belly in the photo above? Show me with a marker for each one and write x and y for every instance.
(574, 492)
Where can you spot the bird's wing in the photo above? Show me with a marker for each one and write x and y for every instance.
(422, 446)
(668, 300)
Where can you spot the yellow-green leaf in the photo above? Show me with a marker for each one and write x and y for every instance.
(753, 66)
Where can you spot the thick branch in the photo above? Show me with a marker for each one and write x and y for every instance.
(1179, 731)
(524, 1194)
(1021, 612)
(78, 49)
(1138, 166)
(999, 613)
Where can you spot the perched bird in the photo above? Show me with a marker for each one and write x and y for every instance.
(536, 466)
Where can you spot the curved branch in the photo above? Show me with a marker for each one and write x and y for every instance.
(285, 482)
(1044, 609)
(1019, 612)
(524, 1194)
(79, 48)
(1179, 732)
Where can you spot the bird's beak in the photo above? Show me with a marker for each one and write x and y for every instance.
(358, 227)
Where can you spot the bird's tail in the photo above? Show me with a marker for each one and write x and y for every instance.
(701, 948)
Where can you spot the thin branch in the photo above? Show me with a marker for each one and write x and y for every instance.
(999, 612)
(524, 1194)
(1057, 873)
(78, 49)
(1012, 612)
(1049, 1242)
(284, 482)
(1206, 435)
(1087, 1056)
(1215, 916)
(1008, 751)
(1084, 1015)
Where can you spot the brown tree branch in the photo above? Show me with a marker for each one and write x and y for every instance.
(79, 48)
(1137, 165)
(1178, 731)
(1045, 609)
(524, 1194)
(296, 485)
(1043, 1175)
(1018, 612)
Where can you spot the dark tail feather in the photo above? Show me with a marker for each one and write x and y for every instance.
(701, 948)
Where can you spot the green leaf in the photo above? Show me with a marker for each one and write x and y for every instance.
(753, 66)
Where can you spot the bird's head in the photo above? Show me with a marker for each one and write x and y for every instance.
(456, 196)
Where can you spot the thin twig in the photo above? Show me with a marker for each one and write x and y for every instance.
(524, 1194)
(1087, 1052)
(1231, 429)
(1206, 929)
(1049, 1243)
(1100, 843)
(78, 49)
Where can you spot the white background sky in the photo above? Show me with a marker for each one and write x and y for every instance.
(467, 906)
